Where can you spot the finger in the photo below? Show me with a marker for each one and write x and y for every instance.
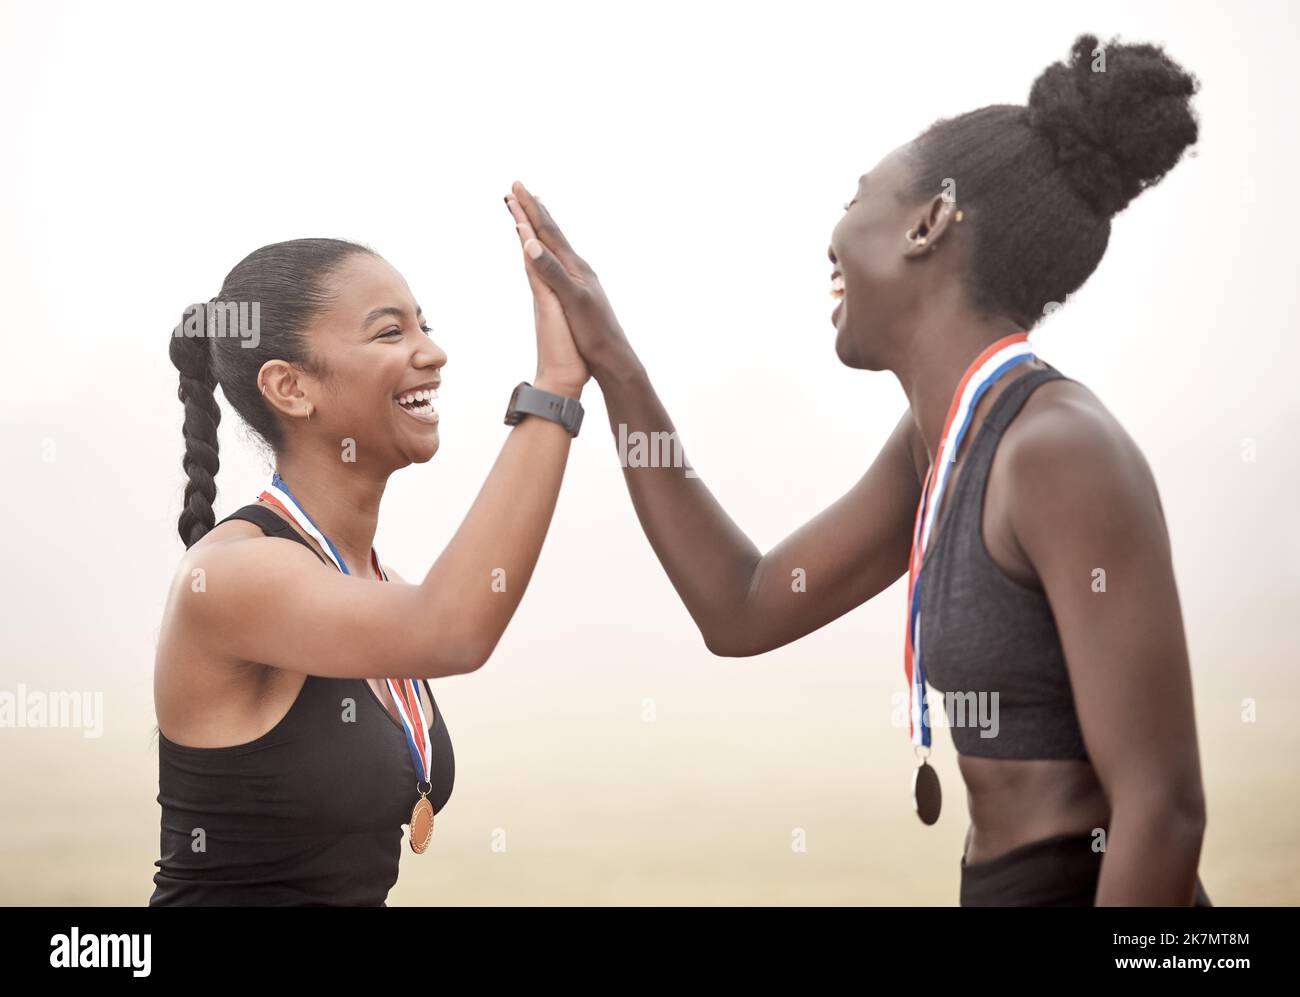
(523, 228)
(522, 224)
(525, 232)
(544, 225)
(542, 262)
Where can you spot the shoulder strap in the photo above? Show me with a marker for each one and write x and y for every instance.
(271, 524)
(1009, 402)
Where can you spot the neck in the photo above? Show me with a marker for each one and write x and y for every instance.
(939, 351)
(342, 500)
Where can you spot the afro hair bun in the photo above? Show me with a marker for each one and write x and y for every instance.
(1118, 118)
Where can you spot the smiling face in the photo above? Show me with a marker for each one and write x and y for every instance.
(882, 283)
(382, 370)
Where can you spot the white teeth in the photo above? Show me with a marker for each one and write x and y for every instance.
(420, 408)
(837, 286)
(427, 394)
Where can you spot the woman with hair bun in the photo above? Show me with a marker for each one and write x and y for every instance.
(286, 767)
(1041, 592)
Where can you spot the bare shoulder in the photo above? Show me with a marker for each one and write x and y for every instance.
(1063, 420)
(216, 568)
(1065, 453)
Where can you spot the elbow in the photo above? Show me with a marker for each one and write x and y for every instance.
(730, 641)
(455, 658)
(472, 659)
(1192, 816)
(464, 665)
(719, 646)
(1177, 811)
(1186, 808)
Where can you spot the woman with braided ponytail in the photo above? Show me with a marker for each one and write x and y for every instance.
(1044, 605)
(297, 729)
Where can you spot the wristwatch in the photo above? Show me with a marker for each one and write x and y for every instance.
(528, 400)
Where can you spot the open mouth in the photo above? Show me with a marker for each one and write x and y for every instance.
(419, 404)
(837, 293)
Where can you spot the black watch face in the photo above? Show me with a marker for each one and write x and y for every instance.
(511, 415)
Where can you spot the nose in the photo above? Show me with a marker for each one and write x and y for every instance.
(831, 253)
(430, 354)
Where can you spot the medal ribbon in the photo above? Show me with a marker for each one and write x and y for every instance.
(996, 360)
(405, 693)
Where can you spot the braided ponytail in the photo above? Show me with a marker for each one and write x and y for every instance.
(192, 356)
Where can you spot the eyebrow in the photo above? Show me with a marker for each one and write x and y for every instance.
(389, 310)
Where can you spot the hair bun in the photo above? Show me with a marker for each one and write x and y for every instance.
(1118, 117)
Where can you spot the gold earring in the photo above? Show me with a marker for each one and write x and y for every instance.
(309, 415)
(959, 214)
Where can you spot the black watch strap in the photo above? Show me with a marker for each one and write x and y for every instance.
(528, 400)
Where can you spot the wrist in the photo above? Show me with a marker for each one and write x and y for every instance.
(557, 385)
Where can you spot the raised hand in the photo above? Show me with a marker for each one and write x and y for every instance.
(560, 366)
(595, 328)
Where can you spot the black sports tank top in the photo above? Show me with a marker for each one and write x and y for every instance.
(310, 813)
(989, 643)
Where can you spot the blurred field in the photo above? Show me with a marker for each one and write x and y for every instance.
(697, 807)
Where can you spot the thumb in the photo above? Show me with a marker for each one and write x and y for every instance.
(545, 265)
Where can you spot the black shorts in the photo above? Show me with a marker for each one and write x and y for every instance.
(1060, 871)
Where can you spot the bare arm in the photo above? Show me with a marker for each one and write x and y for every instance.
(269, 601)
(266, 600)
(746, 602)
(1124, 646)
(743, 601)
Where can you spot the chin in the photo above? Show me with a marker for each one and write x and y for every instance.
(846, 351)
(425, 453)
(853, 352)
(422, 452)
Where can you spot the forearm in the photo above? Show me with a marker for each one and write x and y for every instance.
(709, 560)
(1152, 856)
(478, 581)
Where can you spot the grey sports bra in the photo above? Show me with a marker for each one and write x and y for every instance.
(988, 643)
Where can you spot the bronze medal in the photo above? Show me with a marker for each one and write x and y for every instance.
(421, 824)
(926, 795)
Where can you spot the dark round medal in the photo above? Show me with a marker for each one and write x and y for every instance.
(926, 794)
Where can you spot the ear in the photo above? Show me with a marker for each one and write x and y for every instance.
(282, 388)
(930, 225)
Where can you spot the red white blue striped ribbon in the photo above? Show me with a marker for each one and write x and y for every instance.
(405, 693)
(991, 364)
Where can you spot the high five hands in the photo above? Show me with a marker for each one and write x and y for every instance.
(560, 277)
(560, 367)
